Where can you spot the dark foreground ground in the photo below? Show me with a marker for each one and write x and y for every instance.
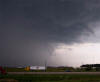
(52, 77)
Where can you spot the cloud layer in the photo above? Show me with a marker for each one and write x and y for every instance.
(30, 29)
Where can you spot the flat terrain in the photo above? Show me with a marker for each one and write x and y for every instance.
(51, 75)
(89, 73)
(50, 78)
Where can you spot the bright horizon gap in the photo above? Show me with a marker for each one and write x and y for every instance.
(83, 53)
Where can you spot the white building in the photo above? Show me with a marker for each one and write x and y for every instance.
(37, 67)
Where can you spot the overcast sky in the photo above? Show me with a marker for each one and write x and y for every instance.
(59, 32)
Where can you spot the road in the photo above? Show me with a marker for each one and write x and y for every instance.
(89, 73)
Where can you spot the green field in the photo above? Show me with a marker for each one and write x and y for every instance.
(53, 78)
(50, 78)
(49, 69)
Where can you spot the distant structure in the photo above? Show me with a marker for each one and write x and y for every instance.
(27, 68)
(91, 65)
(88, 67)
(35, 68)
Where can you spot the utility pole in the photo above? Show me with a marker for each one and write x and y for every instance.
(45, 65)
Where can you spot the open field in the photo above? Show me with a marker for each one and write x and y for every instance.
(52, 78)
(50, 75)
(49, 69)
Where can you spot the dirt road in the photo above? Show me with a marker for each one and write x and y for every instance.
(89, 73)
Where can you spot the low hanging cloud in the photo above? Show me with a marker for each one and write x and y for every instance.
(30, 29)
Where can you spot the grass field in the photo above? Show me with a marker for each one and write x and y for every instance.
(53, 78)
(23, 70)
(49, 77)
(49, 69)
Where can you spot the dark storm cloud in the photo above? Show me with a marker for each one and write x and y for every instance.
(30, 28)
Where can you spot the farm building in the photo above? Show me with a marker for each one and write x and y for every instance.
(35, 68)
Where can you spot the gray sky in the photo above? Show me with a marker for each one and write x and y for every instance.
(35, 31)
